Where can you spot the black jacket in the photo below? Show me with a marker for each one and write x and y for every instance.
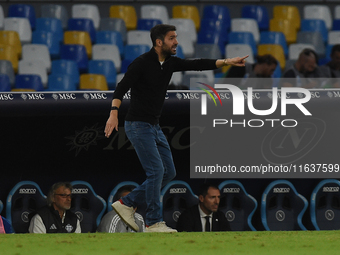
(190, 221)
(148, 80)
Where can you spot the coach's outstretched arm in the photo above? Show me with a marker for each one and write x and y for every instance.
(237, 61)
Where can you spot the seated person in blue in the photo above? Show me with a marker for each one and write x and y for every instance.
(112, 223)
(56, 217)
(5, 226)
(205, 216)
(263, 68)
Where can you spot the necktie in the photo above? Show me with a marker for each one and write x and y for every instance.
(207, 224)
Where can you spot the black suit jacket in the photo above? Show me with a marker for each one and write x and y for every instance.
(190, 221)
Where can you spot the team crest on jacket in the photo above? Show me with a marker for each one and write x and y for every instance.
(68, 228)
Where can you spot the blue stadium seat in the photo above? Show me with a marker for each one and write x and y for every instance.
(55, 11)
(50, 39)
(125, 65)
(111, 37)
(336, 24)
(282, 207)
(257, 12)
(77, 53)
(135, 50)
(61, 82)
(106, 68)
(24, 198)
(87, 205)
(147, 24)
(325, 205)
(82, 24)
(7, 68)
(7, 226)
(114, 24)
(23, 11)
(243, 38)
(176, 196)
(64, 66)
(179, 51)
(271, 37)
(315, 25)
(277, 75)
(5, 84)
(53, 25)
(29, 81)
(217, 12)
(237, 205)
(314, 38)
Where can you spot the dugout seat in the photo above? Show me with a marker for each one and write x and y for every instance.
(282, 207)
(237, 205)
(325, 205)
(24, 198)
(87, 205)
(176, 196)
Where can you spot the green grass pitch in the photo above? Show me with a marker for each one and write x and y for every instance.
(227, 243)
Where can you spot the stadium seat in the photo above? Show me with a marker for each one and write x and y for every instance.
(206, 76)
(243, 38)
(81, 38)
(187, 12)
(2, 18)
(133, 51)
(67, 67)
(106, 68)
(257, 12)
(176, 79)
(211, 36)
(139, 37)
(33, 52)
(24, 198)
(11, 38)
(87, 205)
(125, 65)
(333, 37)
(246, 25)
(285, 26)
(29, 81)
(337, 12)
(269, 37)
(93, 82)
(111, 37)
(322, 12)
(282, 207)
(314, 38)
(22, 11)
(296, 48)
(176, 196)
(325, 205)
(61, 82)
(125, 12)
(277, 75)
(119, 77)
(237, 205)
(6, 68)
(208, 51)
(52, 25)
(21, 26)
(77, 53)
(315, 25)
(288, 12)
(5, 84)
(236, 50)
(336, 25)
(188, 46)
(275, 50)
(152, 11)
(107, 52)
(184, 27)
(112, 24)
(87, 11)
(33, 67)
(50, 40)
(217, 12)
(82, 24)
(9, 53)
(56, 11)
(179, 52)
(147, 24)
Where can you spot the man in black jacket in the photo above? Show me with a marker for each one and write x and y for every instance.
(205, 216)
(148, 77)
(56, 216)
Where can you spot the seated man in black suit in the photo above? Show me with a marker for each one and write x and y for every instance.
(204, 216)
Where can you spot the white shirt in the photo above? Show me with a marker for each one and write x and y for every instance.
(203, 220)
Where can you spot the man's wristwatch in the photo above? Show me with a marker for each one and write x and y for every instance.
(114, 108)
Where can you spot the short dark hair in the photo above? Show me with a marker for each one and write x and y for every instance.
(159, 31)
(335, 48)
(123, 189)
(54, 187)
(267, 59)
(205, 187)
(309, 52)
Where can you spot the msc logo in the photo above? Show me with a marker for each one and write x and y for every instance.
(5, 97)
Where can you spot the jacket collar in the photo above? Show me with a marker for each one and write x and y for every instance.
(154, 55)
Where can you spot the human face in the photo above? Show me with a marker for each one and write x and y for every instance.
(336, 59)
(209, 203)
(269, 70)
(62, 199)
(309, 64)
(169, 43)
